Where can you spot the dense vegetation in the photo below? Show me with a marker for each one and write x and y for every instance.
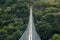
(14, 16)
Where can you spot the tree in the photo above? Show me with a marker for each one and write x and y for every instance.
(55, 37)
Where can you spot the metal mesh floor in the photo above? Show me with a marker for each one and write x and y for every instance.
(30, 33)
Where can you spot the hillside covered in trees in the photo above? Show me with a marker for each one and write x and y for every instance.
(14, 17)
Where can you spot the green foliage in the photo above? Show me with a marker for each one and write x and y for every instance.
(14, 15)
(13, 19)
(55, 37)
(46, 14)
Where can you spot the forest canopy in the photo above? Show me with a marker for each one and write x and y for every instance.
(14, 17)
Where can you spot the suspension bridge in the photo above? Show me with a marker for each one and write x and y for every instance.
(30, 32)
